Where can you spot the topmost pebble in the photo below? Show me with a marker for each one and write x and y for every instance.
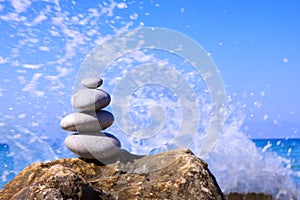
(92, 82)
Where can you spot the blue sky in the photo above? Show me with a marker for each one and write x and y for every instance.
(255, 45)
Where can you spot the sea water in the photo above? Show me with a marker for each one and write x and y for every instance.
(286, 148)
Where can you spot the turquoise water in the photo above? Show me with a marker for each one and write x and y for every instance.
(6, 165)
(287, 148)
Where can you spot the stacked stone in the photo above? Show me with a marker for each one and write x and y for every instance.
(90, 141)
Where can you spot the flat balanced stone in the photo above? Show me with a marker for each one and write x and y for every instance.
(92, 82)
(90, 99)
(93, 145)
(87, 121)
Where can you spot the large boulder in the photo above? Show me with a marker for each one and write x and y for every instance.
(177, 174)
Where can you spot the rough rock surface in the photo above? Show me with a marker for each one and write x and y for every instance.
(175, 174)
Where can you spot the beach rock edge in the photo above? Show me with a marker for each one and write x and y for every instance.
(176, 174)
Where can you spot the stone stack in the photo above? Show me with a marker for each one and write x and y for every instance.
(90, 141)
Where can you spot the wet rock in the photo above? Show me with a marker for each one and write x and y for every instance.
(172, 175)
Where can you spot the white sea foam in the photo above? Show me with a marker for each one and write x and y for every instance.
(240, 166)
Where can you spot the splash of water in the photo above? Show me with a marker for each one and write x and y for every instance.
(240, 166)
